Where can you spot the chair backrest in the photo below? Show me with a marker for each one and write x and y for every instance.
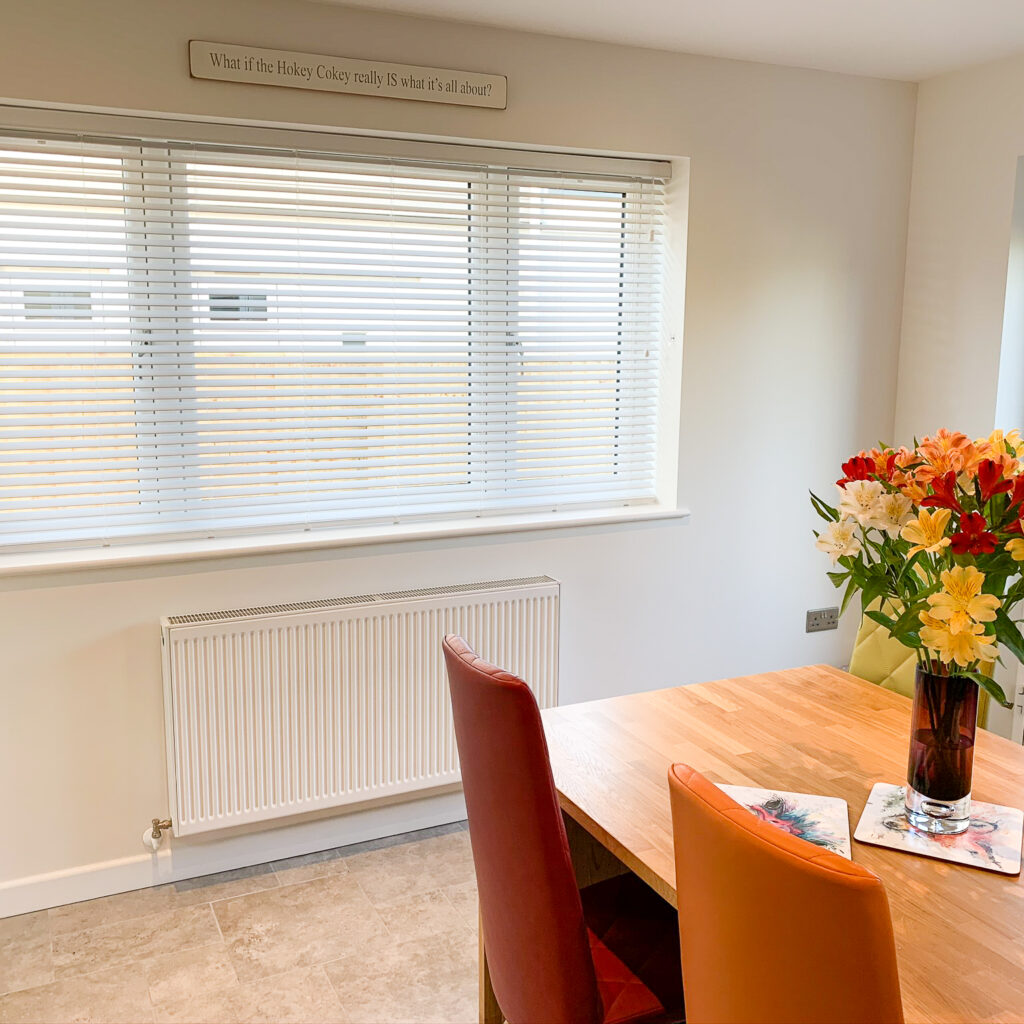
(881, 659)
(772, 928)
(531, 914)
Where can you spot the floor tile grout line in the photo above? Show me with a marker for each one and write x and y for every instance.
(112, 924)
(373, 905)
(156, 913)
(53, 976)
(458, 913)
(98, 899)
(27, 988)
(119, 920)
(163, 910)
(53, 956)
(334, 988)
(216, 921)
(330, 985)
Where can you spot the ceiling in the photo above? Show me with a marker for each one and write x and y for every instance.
(903, 39)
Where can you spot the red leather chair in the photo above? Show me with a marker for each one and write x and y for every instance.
(777, 931)
(606, 955)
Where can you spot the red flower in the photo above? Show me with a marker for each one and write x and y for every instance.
(1017, 495)
(974, 537)
(990, 479)
(945, 493)
(884, 467)
(857, 468)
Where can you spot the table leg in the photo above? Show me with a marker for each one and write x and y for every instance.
(490, 1012)
(591, 862)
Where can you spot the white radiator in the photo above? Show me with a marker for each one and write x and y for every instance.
(280, 710)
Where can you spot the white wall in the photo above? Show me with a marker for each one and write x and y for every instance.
(962, 351)
(969, 135)
(797, 219)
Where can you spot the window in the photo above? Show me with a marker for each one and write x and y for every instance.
(199, 341)
(52, 305)
(238, 307)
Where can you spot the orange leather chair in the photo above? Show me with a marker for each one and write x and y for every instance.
(774, 929)
(606, 955)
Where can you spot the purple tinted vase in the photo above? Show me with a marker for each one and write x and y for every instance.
(942, 729)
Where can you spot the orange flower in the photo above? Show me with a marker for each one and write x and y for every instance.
(946, 452)
(904, 478)
(904, 457)
(944, 442)
(880, 460)
(912, 488)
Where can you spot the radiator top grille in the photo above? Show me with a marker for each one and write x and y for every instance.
(325, 604)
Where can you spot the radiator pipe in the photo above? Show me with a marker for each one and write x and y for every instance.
(153, 837)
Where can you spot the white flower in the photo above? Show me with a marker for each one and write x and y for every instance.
(858, 499)
(839, 539)
(892, 512)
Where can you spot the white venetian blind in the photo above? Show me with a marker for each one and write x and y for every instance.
(197, 341)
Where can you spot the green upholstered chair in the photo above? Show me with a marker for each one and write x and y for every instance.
(881, 660)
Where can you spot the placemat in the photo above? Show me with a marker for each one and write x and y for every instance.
(992, 840)
(821, 820)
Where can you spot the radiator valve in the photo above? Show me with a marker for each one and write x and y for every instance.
(154, 834)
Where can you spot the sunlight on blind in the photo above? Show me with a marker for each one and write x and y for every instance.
(198, 341)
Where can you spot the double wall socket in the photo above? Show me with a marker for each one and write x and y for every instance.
(822, 618)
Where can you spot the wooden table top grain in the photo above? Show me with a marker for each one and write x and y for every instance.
(959, 930)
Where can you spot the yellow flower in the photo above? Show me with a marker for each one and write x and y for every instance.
(926, 531)
(1016, 549)
(839, 539)
(965, 647)
(1002, 444)
(961, 604)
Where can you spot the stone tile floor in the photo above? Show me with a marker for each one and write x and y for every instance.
(380, 932)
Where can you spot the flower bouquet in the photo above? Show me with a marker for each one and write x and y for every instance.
(932, 539)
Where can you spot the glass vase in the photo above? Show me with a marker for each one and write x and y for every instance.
(943, 725)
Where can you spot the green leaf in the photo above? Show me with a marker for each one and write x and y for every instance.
(910, 620)
(989, 684)
(851, 589)
(826, 512)
(874, 590)
(995, 581)
(838, 578)
(907, 572)
(1009, 635)
(882, 620)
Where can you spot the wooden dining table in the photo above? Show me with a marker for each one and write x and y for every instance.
(959, 930)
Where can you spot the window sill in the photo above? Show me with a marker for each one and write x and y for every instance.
(28, 563)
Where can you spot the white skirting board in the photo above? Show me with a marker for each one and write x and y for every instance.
(180, 859)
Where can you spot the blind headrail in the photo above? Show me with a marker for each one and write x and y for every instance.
(99, 126)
